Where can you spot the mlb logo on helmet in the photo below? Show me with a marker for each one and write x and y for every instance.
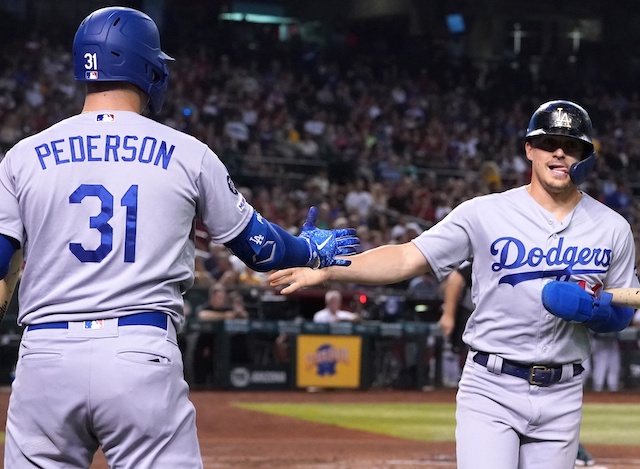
(92, 75)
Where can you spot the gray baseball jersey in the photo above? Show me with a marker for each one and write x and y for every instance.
(517, 247)
(103, 203)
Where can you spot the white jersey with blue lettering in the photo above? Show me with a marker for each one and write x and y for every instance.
(517, 247)
(104, 205)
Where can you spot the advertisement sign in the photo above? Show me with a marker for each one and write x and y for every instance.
(258, 377)
(330, 361)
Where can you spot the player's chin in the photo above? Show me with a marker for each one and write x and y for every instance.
(559, 186)
(558, 183)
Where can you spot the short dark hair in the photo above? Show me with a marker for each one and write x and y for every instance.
(100, 86)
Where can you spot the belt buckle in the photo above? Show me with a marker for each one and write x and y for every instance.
(535, 368)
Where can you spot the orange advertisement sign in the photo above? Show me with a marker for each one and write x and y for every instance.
(331, 361)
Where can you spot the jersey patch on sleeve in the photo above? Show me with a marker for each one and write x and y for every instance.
(242, 203)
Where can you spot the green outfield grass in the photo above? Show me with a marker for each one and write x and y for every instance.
(612, 424)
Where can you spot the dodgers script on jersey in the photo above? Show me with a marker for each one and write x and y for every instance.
(93, 188)
(504, 231)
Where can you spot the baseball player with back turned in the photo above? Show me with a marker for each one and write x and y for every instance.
(542, 255)
(103, 204)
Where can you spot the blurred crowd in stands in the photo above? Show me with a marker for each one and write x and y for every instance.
(385, 146)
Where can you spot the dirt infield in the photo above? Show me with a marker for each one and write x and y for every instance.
(233, 438)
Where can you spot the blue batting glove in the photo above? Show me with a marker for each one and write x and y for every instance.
(569, 301)
(325, 245)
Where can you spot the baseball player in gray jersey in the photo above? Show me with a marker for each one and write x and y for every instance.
(103, 204)
(542, 256)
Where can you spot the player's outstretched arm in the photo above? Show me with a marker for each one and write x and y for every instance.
(380, 266)
(295, 278)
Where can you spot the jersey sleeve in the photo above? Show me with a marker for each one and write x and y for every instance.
(623, 272)
(465, 270)
(446, 244)
(10, 221)
(221, 207)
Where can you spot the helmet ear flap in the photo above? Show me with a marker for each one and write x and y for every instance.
(579, 171)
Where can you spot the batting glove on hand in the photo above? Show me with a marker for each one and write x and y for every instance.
(325, 245)
(569, 301)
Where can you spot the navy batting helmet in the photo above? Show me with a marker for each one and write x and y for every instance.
(566, 119)
(122, 44)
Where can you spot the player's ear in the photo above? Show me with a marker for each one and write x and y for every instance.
(528, 149)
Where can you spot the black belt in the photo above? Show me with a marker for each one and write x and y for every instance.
(138, 319)
(539, 375)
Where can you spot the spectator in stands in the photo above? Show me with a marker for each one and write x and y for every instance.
(491, 174)
(321, 180)
(425, 287)
(308, 146)
(219, 266)
(324, 216)
(333, 312)
(358, 199)
(202, 277)
(245, 276)
(222, 304)
(422, 204)
(379, 197)
(620, 199)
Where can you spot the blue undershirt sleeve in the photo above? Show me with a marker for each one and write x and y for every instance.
(264, 246)
(7, 247)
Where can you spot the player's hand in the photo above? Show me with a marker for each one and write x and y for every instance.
(569, 301)
(446, 323)
(296, 278)
(325, 245)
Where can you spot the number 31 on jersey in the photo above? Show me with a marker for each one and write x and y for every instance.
(100, 222)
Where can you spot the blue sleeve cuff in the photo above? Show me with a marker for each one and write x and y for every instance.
(618, 319)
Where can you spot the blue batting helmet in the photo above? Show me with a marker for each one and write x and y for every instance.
(122, 44)
(566, 119)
